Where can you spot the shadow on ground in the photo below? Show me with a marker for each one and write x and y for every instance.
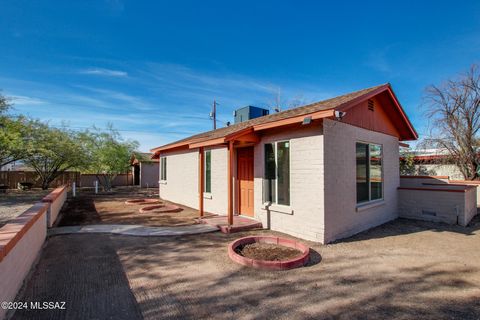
(410, 275)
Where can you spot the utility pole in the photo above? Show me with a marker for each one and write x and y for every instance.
(214, 114)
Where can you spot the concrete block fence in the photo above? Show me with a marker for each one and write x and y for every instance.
(438, 199)
(21, 241)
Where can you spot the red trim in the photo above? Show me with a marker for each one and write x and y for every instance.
(12, 232)
(432, 189)
(296, 262)
(424, 177)
(52, 196)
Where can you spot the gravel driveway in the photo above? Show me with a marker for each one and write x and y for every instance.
(401, 270)
(15, 202)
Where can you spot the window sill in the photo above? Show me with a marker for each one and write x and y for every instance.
(277, 208)
(369, 205)
(162, 182)
(207, 195)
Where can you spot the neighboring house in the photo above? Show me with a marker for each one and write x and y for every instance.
(320, 172)
(145, 171)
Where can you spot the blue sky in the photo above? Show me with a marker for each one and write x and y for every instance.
(153, 68)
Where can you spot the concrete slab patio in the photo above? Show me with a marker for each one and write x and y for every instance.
(134, 230)
(402, 270)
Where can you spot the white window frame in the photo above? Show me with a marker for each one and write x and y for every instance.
(370, 201)
(274, 143)
(162, 172)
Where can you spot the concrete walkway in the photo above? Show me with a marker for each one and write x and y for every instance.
(135, 230)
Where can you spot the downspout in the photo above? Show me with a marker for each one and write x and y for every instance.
(201, 179)
(230, 183)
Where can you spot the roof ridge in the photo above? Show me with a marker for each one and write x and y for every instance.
(271, 117)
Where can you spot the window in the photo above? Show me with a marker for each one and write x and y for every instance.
(276, 182)
(208, 171)
(369, 172)
(163, 169)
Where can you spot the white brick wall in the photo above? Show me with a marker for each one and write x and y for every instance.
(182, 178)
(217, 201)
(341, 216)
(306, 185)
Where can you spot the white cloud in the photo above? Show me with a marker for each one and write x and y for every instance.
(25, 101)
(105, 72)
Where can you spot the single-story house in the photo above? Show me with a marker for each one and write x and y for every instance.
(144, 170)
(321, 172)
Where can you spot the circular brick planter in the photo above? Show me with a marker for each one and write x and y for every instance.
(296, 262)
(160, 208)
(141, 201)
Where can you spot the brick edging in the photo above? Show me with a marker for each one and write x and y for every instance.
(14, 230)
(270, 265)
(52, 196)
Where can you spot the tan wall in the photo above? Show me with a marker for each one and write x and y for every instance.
(56, 199)
(342, 219)
(304, 217)
(149, 174)
(217, 201)
(420, 181)
(18, 261)
(438, 205)
(182, 178)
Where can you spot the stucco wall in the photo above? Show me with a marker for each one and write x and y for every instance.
(182, 178)
(217, 201)
(26, 234)
(450, 170)
(149, 174)
(342, 219)
(304, 217)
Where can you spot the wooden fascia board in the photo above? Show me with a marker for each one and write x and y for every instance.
(240, 133)
(315, 115)
(207, 143)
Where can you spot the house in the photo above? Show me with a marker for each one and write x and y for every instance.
(320, 172)
(144, 170)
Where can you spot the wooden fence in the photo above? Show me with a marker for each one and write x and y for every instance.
(12, 178)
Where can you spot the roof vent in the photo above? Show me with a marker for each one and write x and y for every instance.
(371, 105)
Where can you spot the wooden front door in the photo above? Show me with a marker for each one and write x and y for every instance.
(245, 180)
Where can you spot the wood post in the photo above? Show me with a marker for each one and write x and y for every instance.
(230, 183)
(201, 179)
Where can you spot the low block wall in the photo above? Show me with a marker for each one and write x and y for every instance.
(452, 204)
(470, 183)
(418, 181)
(56, 199)
(21, 240)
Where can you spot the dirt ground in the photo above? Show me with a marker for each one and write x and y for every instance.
(110, 208)
(15, 202)
(401, 270)
(268, 252)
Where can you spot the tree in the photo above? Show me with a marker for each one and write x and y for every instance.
(53, 152)
(15, 134)
(108, 154)
(407, 164)
(454, 111)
